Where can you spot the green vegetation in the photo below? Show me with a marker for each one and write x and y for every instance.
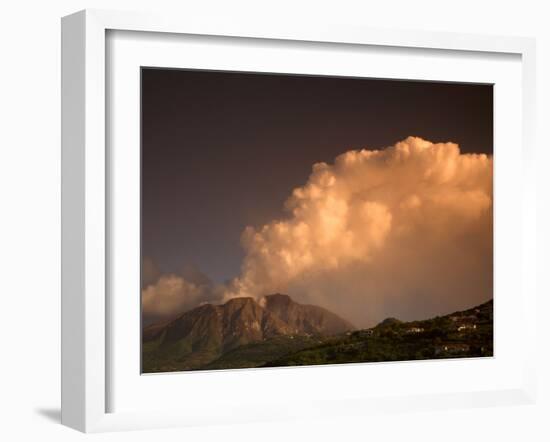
(258, 354)
(158, 356)
(461, 334)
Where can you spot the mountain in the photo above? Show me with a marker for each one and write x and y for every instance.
(202, 335)
(389, 322)
(305, 319)
(277, 331)
(461, 334)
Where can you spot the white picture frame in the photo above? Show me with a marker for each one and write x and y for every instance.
(86, 202)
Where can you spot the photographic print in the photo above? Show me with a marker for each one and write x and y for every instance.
(295, 220)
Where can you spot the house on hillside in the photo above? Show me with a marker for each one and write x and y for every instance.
(413, 330)
(451, 348)
(466, 327)
(367, 333)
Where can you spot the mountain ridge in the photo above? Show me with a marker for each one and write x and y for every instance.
(204, 333)
(274, 341)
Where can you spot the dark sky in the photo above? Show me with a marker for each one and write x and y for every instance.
(223, 150)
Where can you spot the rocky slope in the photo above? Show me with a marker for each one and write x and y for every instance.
(203, 334)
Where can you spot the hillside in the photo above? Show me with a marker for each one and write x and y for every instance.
(280, 332)
(204, 334)
(467, 333)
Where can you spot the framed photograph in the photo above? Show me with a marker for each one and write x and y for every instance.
(346, 255)
(275, 222)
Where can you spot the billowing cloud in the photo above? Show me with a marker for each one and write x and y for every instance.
(405, 231)
(170, 294)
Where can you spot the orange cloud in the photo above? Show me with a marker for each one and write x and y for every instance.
(405, 231)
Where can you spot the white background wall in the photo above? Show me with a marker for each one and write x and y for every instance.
(30, 219)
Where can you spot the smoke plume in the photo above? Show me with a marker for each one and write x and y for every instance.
(405, 231)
